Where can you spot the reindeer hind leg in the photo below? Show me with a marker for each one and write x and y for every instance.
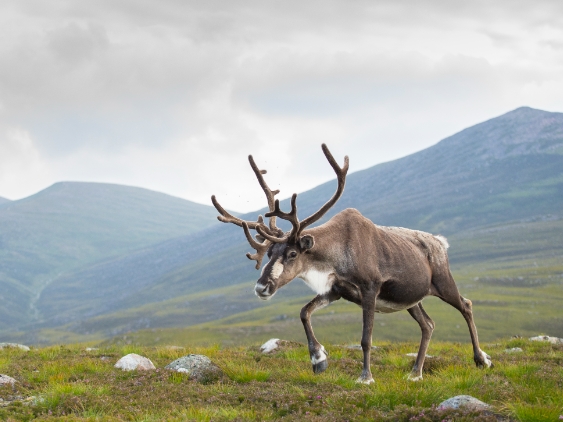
(427, 327)
(446, 289)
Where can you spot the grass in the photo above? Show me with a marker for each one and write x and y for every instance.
(70, 384)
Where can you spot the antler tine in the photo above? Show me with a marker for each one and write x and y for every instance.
(261, 248)
(290, 216)
(269, 193)
(341, 177)
(225, 217)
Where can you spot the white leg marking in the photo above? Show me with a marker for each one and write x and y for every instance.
(323, 353)
(414, 377)
(486, 358)
(365, 381)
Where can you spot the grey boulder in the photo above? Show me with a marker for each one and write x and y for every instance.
(464, 401)
(6, 380)
(198, 367)
(552, 340)
(14, 345)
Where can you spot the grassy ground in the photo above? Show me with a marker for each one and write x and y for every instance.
(68, 383)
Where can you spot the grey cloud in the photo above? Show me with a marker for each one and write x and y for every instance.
(215, 80)
(74, 43)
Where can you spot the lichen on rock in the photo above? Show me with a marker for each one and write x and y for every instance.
(199, 368)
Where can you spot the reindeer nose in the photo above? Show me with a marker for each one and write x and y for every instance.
(261, 290)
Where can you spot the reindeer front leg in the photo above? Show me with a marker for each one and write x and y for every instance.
(368, 307)
(316, 350)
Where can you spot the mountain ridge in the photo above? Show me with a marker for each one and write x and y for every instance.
(459, 184)
(71, 224)
(506, 169)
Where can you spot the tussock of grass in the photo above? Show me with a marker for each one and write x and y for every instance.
(68, 383)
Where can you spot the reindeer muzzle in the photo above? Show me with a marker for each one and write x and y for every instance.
(263, 291)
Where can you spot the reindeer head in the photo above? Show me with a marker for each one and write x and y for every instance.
(288, 253)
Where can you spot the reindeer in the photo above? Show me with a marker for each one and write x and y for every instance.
(381, 269)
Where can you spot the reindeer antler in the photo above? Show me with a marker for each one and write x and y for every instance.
(267, 232)
(269, 193)
(271, 233)
(290, 216)
(298, 226)
(341, 177)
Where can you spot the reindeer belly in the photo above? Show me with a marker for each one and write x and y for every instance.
(386, 307)
(396, 296)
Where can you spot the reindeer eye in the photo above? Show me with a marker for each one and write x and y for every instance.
(292, 254)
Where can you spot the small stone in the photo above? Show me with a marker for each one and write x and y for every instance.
(357, 347)
(270, 345)
(464, 401)
(413, 355)
(133, 361)
(15, 346)
(175, 347)
(5, 380)
(198, 367)
(513, 350)
(552, 340)
(91, 349)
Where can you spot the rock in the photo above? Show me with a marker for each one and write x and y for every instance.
(513, 350)
(465, 401)
(199, 367)
(132, 362)
(14, 345)
(277, 344)
(357, 347)
(175, 347)
(413, 355)
(5, 380)
(270, 345)
(552, 340)
(91, 349)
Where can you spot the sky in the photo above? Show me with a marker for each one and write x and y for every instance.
(172, 95)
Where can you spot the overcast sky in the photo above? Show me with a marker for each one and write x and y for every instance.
(172, 95)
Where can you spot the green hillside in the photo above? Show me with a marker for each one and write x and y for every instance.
(513, 274)
(495, 189)
(72, 224)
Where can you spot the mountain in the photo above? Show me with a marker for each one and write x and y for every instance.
(71, 224)
(4, 201)
(507, 168)
(505, 171)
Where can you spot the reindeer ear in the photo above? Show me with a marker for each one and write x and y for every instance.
(306, 242)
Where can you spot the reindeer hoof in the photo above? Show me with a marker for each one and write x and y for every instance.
(414, 377)
(484, 361)
(366, 381)
(320, 366)
(320, 363)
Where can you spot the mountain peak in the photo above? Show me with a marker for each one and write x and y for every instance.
(521, 131)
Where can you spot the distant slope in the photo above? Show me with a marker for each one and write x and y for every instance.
(71, 224)
(4, 200)
(504, 170)
(507, 168)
